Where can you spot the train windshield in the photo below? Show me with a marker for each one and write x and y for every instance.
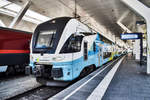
(47, 35)
(73, 44)
(46, 39)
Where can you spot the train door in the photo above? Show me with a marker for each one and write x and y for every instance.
(85, 50)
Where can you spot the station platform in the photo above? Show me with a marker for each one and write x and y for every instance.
(130, 82)
(123, 80)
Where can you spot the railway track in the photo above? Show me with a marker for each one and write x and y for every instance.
(39, 93)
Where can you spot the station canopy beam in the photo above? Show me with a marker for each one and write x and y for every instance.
(2, 23)
(144, 11)
(20, 15)
(121, 25)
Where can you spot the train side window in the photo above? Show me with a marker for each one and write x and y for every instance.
(85, 51)
(72, 45)
(94, 46)
(100, 50)
(106, 55)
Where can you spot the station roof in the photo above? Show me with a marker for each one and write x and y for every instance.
(105, 12)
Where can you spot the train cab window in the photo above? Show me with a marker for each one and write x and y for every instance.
(73, 44)
(45, 39)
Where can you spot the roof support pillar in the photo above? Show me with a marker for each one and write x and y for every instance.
(144, 11)
(20, 15)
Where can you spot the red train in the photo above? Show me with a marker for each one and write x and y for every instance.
(14, 50)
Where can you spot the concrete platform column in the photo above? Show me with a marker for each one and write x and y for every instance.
(21, 13)
(144, 11)
(148, 46)
(137, 49)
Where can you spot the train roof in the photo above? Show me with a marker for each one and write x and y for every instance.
(58, 18)
(69, 18)
(14, 30)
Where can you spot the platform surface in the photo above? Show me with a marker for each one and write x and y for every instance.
(12, 87)
(130, 82)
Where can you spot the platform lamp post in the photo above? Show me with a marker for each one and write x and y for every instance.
(144, 11)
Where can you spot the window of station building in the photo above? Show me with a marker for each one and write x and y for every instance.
(73, 44)
(106, 54)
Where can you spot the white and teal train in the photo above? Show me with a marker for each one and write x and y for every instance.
(64, 49)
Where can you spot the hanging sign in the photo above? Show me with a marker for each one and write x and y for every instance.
(131, 36)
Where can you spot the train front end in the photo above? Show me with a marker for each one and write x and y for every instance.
(48, 60)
